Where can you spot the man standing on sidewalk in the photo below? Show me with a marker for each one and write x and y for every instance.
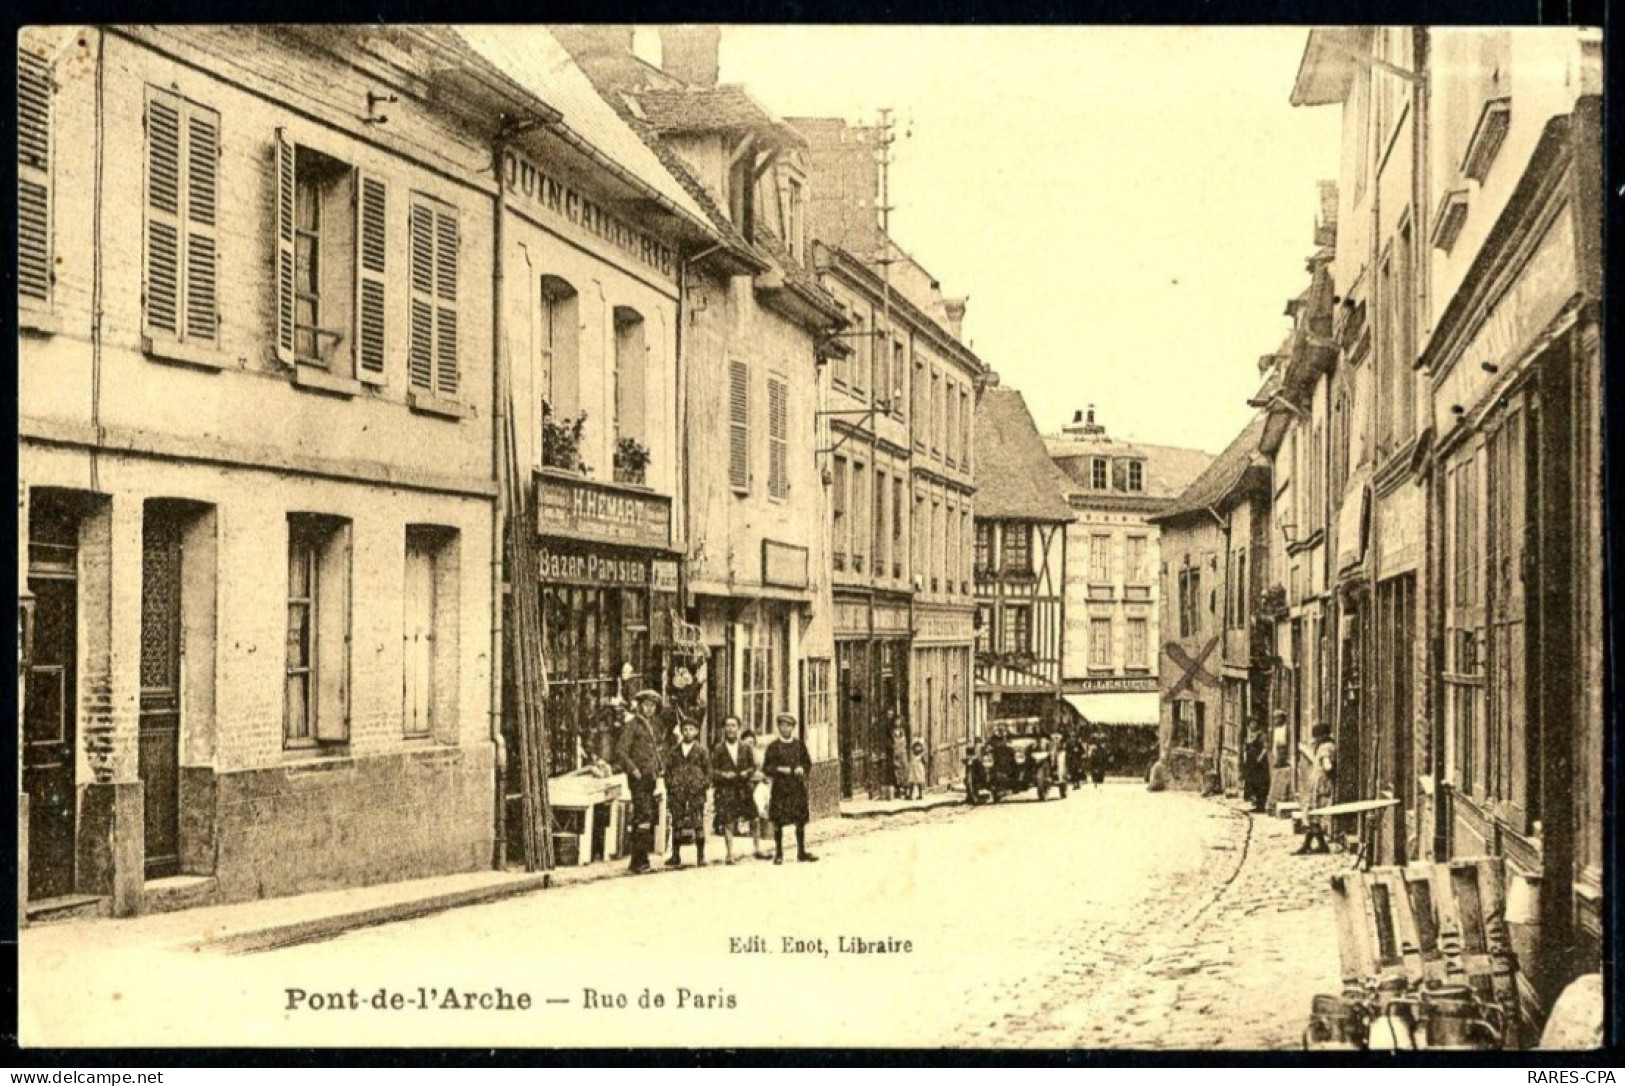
(638, 754)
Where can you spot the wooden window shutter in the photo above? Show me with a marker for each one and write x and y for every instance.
(778, 438)
(445, 289)
(420, 353)
(372, 217)
(333, 631)
(202, 224)
(163, 240)
(284, 249)
(738, 425)
(33, 176)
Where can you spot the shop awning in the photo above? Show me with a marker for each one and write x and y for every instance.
(1110, 709)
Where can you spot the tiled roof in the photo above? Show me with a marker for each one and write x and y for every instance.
(1168, 469)
(534, 59)
(1221, 476)
(1015, 478)
(712, 109)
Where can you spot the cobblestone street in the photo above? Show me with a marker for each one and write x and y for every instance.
(1200, 931)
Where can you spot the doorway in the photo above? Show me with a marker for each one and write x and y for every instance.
(50, 699)
(162, 526)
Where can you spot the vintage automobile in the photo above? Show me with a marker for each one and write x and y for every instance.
(995, 769)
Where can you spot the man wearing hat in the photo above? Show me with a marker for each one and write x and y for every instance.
(638, 754)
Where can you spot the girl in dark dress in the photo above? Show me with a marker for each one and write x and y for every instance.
(786, 764)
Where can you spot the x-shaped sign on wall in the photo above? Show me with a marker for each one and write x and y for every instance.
(1195, 672)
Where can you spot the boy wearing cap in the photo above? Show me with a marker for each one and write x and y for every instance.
(686, 785)
(787, 763)
(638, 754)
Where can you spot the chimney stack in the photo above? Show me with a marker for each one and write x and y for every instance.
(591, 41)
(956, 316)
(1083, 424)
(690, 53)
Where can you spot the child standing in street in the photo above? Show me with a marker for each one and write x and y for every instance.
(786, 764)
(916, 771)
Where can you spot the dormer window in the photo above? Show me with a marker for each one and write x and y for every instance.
(1098, 474)
(742, 192)
(794, 217)
(1136, 476)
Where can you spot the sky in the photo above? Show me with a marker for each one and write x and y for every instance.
(1128, 209)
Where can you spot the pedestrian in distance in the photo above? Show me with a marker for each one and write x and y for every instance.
(916, 771)
(733, 766)
(688, 778)
(899, 762)
(1321, 789)
(1096, 757)
(787, 763)
(1255, 769)
(641, 756)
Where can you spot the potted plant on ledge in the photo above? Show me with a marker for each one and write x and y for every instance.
(561, 441)
(631, 461)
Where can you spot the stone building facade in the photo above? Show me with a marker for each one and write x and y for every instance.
(754, 621)
(898, 457)
(1113, 583)
(1214, 548)
(255, 410)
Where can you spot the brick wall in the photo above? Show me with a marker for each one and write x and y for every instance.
(353, 822)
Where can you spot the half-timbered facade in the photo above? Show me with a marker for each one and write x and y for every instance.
(1019, 559)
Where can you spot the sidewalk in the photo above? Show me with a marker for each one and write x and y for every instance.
(252, 926)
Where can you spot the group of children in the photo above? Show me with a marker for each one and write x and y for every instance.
(746, 788)
(908, 766)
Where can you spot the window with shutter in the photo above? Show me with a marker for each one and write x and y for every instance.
(738, 426)
(182, 211)
(778, 438)
(34, 91)
(332, 264)
(432, 352)
(371, 344)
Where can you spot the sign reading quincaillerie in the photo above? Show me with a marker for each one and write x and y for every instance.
(580, 509)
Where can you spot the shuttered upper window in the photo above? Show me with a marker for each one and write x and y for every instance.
(432, 352)
(181, 288)
(33, 178)
(332, 262)
(778, 438)
(738, 425)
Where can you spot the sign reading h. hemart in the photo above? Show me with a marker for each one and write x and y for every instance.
(573, 508)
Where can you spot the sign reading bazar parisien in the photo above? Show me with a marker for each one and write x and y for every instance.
(596, 569)
(531, 184)
(579, 509)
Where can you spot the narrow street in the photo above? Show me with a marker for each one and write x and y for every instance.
(1199, 932)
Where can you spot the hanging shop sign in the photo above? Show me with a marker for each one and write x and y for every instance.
(597, 512)
(663, 575)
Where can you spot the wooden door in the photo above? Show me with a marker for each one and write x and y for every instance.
(49, 729)
(418, 646)
(1507, 759)
(159, 751)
